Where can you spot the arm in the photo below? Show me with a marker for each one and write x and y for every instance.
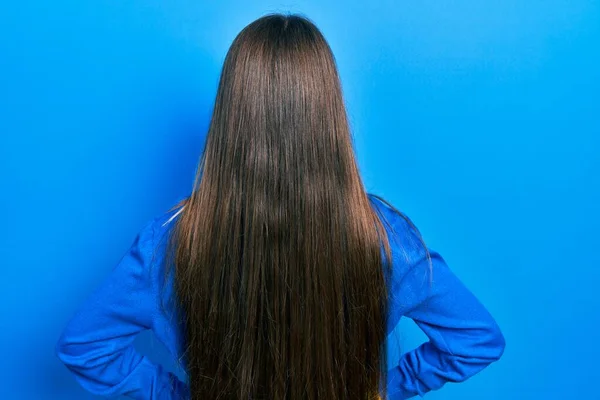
(96, 344)
(463, 336)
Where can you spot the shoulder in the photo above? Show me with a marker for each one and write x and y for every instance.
(165, 220)
(410, 255)
(150, 240)
(405, 240)
(409, 258)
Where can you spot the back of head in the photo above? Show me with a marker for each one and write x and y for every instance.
(277, 254)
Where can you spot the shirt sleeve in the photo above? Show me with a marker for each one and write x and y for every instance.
(96, 344)
(463, 336)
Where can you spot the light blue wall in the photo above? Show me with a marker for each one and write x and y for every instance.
(479, 119)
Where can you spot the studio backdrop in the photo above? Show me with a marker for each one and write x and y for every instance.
(478, 119)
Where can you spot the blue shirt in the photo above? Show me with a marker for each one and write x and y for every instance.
(97, 343)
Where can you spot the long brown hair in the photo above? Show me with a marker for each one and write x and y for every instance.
(277, 252)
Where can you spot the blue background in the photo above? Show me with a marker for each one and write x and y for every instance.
(479, 119)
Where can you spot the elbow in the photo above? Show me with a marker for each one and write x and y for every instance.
(76, 356)
(501, 345)
(495, 344)
(62, 352)
(96, 368)
(487, 346)
(479, 355)
(59, 348)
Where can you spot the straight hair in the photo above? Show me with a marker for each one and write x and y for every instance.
(277, 253)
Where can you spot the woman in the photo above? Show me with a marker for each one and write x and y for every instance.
(279, 277)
